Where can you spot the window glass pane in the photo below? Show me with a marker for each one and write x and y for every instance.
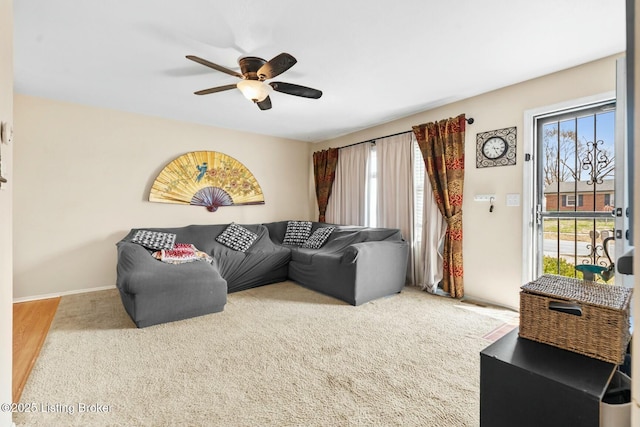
(418, 190)
(577, 161)
(605, 135)
(568, 165)
(550, 157)
(570, 242)
(372, 190)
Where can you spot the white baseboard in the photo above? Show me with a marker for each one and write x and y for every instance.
(485, 303)
(61, 294)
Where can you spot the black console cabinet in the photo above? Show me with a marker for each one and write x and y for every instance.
(524, 383)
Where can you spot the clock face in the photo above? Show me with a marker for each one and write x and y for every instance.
(494, 148)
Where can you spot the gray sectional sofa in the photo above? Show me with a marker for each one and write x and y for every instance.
(354, 264)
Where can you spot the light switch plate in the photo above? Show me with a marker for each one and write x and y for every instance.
(513, 199)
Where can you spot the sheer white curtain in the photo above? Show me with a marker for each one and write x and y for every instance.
(395, 202)
(427, 248)
(347, 204)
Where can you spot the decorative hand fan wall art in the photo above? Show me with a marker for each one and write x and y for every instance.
(206, 178)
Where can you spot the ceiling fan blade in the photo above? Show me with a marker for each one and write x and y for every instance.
(214, 66)
(276, 66)
(264, 104)
(297, 90)
(215, 89)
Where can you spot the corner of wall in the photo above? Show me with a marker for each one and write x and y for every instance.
(6, 211)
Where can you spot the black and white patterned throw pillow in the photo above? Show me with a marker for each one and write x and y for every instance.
(156, 240)
(318, 238)
(237, 237)
(297, 232)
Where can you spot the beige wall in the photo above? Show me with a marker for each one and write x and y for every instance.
(6, 208)
(84, 177)
(493, 241)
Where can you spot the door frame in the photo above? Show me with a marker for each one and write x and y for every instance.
(529, 190)
(623, 245)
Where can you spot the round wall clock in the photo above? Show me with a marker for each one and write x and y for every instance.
(496, 148)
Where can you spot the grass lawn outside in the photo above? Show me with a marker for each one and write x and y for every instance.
(579, 230)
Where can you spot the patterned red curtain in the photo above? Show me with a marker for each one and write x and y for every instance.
(442, 147)
(324, 171)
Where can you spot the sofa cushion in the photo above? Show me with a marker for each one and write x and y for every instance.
(297, 233)
(317, 239)
(157, 240)
(237, 237)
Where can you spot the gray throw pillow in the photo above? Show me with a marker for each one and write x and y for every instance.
(297, 233)
(157, 240)
(318, 238)
(237, 237)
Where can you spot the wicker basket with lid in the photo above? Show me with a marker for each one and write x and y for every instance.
(581, 316)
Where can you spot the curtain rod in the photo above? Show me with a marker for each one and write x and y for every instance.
(469, 120)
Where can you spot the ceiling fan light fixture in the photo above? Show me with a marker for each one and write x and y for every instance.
(254, 90)
(254, 73)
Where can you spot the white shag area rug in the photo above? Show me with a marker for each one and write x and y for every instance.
(278, 355)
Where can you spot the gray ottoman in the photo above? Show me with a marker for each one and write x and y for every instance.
(153, 292)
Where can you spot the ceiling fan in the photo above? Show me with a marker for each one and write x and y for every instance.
(253, 72)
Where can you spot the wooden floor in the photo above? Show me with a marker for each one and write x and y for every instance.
(31, 322)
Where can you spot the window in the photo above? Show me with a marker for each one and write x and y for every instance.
(608, 199)
(570, 200)
(371, 202)
(419, 172)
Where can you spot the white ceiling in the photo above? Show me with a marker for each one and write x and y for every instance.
(375, 60)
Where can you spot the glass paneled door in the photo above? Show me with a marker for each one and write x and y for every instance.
(575, 197)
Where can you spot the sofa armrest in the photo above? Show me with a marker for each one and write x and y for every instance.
(380, 268)
(376, 252)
